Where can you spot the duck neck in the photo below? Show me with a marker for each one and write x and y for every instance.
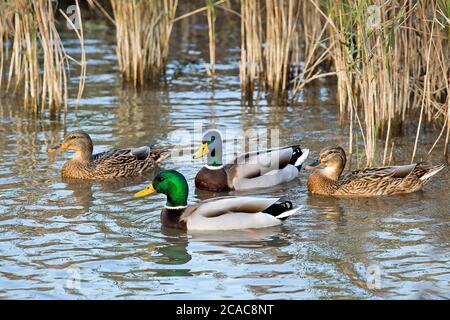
(83, 154)
(215, 153)
(331, 173)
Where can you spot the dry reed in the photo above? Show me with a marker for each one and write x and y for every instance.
(391, 60)
(211, 14)
(143, 29)
(281, 45)
(251, 64)
(312, 47)
(281, 21)
(267, 37)
(31, 45)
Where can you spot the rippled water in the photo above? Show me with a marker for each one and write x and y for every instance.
(54, 232)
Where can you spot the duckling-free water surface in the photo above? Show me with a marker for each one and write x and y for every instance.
(76, 239)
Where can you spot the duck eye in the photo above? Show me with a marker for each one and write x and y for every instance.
(160, 179)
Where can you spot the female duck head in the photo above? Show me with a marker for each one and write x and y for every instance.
(171, 183)
(79, 141)
(211, 146)
(333, 159)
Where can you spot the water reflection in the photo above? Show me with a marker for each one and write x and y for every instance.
(328, 206)
(49, 225)
(253, 238)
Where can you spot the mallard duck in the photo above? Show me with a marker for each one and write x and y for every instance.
(365, 182)
(224, 213)
(105, 165)
(260, 169)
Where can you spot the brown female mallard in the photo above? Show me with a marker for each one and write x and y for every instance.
(105, 165)
(365, 182)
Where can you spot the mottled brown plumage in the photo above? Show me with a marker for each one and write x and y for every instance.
(106, 165)
(365, 182)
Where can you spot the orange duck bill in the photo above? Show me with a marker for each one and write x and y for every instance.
(56, 149)
(314, 165)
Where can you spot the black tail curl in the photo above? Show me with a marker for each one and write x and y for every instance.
(278, 208)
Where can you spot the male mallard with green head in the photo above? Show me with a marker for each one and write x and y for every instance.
(225, 213)
(106, 165)
(365, 182)
(260, 169)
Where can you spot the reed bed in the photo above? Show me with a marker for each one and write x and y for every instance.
(251, 64)
(281, 45)
(32, 54)
(391, 60)
(282, 18)
(311, 50)
(31, 28)
(143, 29)
(268, 31)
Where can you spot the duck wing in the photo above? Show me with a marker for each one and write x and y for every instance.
(381, 172)
(387, 180)
(222, 205)
(257, 163)
(125, 162)
(229, 213)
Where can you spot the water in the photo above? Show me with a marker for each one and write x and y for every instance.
(77, 240)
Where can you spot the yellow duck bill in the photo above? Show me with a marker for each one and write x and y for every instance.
(149, 190)
(201, 152)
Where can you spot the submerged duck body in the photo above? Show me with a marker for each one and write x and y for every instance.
(106, 165)
(225, 213)
(260, 169)
(366, 182)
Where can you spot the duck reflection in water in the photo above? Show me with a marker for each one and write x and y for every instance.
(83, 190)
(329, 206)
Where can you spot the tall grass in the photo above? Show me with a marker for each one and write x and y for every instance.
(281, 45)
(391, 59)
(251, 64)
(268, 30)
(30, 44)
(143, 29)
(282, 18)
(311, 50)
(211, 14)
